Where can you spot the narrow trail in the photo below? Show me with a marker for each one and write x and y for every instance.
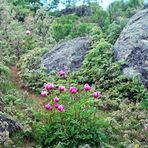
(19, 84)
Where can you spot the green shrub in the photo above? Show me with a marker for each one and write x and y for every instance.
(72, 134)
(96, 62)
(31, 59)
(113, 32)
(63, 25)
(71, 26)
(96, 33)
(144, 103)
(99, 16)
(4, 70)
(61, 31)
(80, 29)
(80, 123)
(33, 79)
(9, 98)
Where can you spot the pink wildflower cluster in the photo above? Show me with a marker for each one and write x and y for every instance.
(57, 106)
(73, 90)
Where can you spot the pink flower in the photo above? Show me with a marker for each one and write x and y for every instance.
(28, 32)
(87, 87)
(73, 90)
(44, 93)
(48, 86)
(97, 94)
(62, 73)
(62, 88)
(56, 105)
(56, 99)
(61, 108)
(48, 107)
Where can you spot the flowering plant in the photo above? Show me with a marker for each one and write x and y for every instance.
(72, 107)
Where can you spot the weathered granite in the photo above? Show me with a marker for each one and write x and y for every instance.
(132, 46)
(67, 55)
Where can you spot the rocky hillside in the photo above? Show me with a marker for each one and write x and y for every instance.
(67, 78)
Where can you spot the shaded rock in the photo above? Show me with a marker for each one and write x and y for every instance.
(1, 104)
(144, 71)
(67, 55)
(132, 46)
(80, 11)
(7, 126)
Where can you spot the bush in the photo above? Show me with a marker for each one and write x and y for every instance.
(113, 32)
(96, 62)
(63, 25)
(71, 125)
(144, 103)
(33, 79)
(69, 26)
(80, 29)
(4, 70)
(31, 59)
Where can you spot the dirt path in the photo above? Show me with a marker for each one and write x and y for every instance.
(19, 84)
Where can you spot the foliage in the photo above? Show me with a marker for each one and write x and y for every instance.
(128, 123)
(33, 79)
(144, 103)
(42, 26)
(113, 32)
(69, 26)
(70, 126)
(99, 68)
(60, 30)
(99, 16)
(117, 119)
(15, 104)
(123, 8)
(99, 56)
(96, 33)
(4, 70)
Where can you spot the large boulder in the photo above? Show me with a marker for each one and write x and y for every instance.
(80, 11)
(67, 55)
(132, 46)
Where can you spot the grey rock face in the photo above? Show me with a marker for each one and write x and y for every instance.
(80, 11)
(7, 126)
(132, 46)
(67, 55)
